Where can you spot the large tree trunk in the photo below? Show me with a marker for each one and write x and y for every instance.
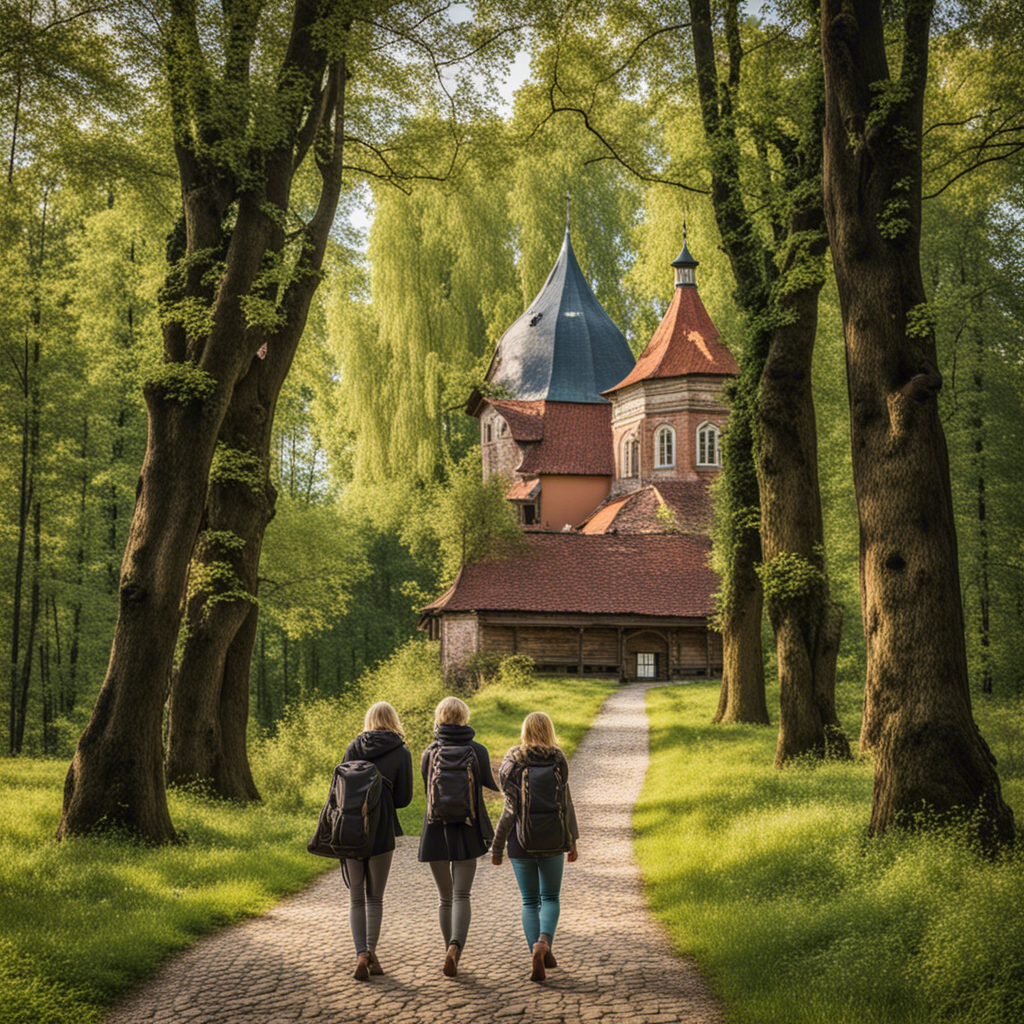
(230, 231)
(806, 621)
(209, 703)
(929, 753)
(209, 700)
(772, 464)
(117, 777)
(742, 697)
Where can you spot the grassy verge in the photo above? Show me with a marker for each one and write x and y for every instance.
(768, 879)
(83, 921)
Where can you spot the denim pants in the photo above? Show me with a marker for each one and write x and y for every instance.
(540, 882)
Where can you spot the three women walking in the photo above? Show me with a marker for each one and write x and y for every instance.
(538, 823)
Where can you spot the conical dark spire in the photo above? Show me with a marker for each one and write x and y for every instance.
(685, 265)
(565, 347)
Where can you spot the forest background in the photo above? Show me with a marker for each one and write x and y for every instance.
(373, 459)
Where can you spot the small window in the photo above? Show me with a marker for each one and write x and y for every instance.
(646, 665)
(630, 457)
(708, 449)
(529, 515)
(488, 433)
(664, 447)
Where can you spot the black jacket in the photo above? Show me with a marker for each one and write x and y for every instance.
(459, 841)
(389, 753)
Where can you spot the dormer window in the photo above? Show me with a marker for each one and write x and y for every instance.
(664, 447)
(630, 457)
(708, 449)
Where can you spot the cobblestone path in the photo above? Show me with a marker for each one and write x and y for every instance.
(615, 966)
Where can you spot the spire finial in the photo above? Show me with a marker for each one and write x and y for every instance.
(568, 199)
(685, 265)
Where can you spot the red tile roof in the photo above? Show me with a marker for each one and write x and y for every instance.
(577, 441)
(685, 342)
(637, 511)
(640, 574)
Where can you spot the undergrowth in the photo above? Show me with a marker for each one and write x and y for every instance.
(86, 919)
(769, 880)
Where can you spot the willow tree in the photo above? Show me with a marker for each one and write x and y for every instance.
(442, 284)
(248, 107)
(929, 753)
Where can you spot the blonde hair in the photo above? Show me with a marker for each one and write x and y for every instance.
(538, 732)
(382, 717)
(451, 711)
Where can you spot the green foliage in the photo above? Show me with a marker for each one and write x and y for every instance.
(313, 558)
(217, 582)
(770, 882)
(236, 466)
(487, 667)
(183, 383)
(788, 576)
(517, 670)
(464, 520)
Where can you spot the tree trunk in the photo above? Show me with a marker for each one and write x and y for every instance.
(929, 754)
(230, 232)
(209, 701)
(742, 698)
(116, 778)
(806, 621)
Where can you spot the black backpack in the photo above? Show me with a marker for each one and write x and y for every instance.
(350, 816)
(542, 821)
(451, 785)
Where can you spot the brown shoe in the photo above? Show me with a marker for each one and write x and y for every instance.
(362, 971)
(451, 961)
(549, 960)
(539, 949)
(375, 967)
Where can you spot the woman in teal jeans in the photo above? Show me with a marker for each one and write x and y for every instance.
(539, 875)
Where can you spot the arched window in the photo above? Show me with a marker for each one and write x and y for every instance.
(630, 457)
(708, 453)
(664, 447)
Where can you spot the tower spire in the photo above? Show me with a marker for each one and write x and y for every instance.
(685, 265)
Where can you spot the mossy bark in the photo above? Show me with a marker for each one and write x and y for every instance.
(230, 225)
(929, 754)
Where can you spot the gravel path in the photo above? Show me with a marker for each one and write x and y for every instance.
(295, 963)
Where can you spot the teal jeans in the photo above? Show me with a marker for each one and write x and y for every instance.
(540, 882)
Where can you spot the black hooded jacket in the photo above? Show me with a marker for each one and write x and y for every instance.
(459, 841)
(387, 750)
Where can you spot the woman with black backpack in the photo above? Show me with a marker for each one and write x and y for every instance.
(535, 779)
(456, 829)
(382, 743)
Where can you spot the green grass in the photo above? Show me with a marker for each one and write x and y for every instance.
(85, 920)
(767, 878)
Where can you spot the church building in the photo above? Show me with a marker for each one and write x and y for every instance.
(608, 461)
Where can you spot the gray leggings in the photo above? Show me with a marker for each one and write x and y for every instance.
(366, 881)
(454, 879)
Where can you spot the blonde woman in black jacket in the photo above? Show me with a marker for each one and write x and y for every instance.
(382, 742)
(539, 874)
(451, 849)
